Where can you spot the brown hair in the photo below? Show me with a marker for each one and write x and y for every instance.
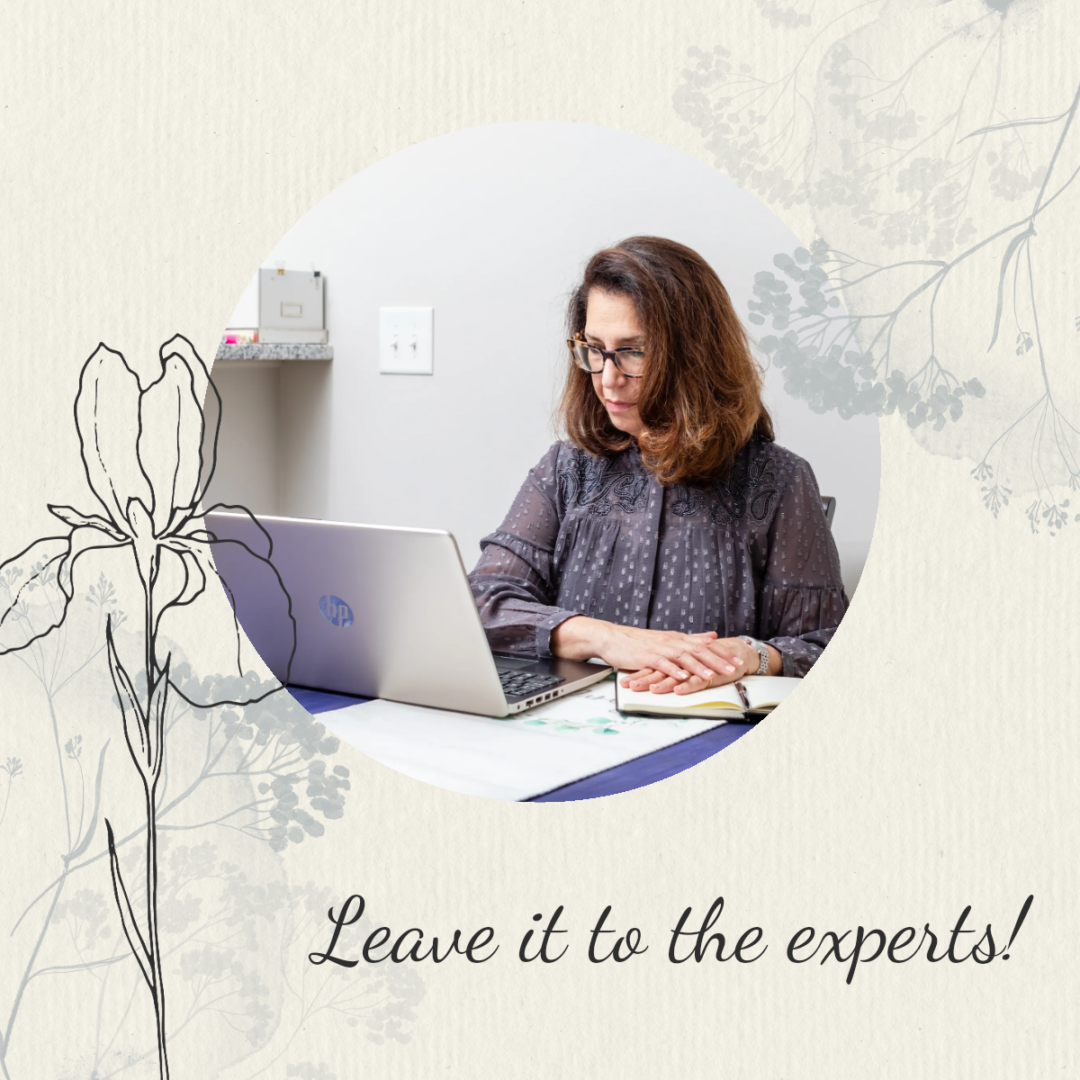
(700, 399)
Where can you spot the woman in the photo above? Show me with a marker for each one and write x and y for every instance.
(671, 536)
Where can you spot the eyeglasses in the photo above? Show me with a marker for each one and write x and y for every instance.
(629, 359)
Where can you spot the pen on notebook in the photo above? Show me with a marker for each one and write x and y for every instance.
(742, 695)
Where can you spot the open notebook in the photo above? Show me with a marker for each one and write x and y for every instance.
(750, 697)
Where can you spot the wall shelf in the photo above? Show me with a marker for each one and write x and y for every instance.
(259, 352)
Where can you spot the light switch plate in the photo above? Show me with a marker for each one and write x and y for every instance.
(406, 340)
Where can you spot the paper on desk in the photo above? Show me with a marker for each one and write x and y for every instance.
(510, 758)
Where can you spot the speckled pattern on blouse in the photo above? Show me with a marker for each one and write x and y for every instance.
(750, 554)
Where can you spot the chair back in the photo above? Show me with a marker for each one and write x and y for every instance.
(828, 504)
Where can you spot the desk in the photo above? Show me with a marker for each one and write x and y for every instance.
(643, 770)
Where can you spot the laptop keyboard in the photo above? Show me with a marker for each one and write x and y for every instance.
(519, 683)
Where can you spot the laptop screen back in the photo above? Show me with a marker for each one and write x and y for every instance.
(380, 611)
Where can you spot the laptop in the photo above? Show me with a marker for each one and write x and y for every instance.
(380, 612)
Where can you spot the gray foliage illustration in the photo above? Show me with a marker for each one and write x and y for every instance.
(943, 216)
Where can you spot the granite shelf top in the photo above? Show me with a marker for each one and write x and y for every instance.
(260, 351)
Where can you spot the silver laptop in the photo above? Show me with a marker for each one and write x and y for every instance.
(380, 612)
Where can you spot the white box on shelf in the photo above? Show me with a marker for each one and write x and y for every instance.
(291, 300)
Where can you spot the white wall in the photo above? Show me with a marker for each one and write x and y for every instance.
(492, 227)
(249, 442)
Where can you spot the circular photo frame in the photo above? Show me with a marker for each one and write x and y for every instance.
(514, 408)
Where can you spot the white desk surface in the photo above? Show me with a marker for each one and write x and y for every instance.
(511, 758)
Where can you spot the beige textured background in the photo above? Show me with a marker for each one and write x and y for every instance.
(151, 158)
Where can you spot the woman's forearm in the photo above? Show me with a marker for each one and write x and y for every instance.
(579, 638)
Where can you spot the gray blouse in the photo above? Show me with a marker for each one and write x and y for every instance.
(749, 554)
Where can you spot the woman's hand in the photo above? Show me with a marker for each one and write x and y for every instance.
(667, 654)
(747, 661)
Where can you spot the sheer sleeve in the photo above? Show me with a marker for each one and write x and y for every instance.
(803, 598)
(514, 581)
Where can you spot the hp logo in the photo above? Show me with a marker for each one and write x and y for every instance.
(336, 611)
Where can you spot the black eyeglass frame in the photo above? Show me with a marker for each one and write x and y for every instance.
(607, 354)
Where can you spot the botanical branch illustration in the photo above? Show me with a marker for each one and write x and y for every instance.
(381, 998)
(262, 774)
(216, 914)
(13, 768)
(1053, 433)
(887, 161)
(148, 456)
(819, 351)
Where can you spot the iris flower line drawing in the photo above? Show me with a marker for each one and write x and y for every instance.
(148, 455)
